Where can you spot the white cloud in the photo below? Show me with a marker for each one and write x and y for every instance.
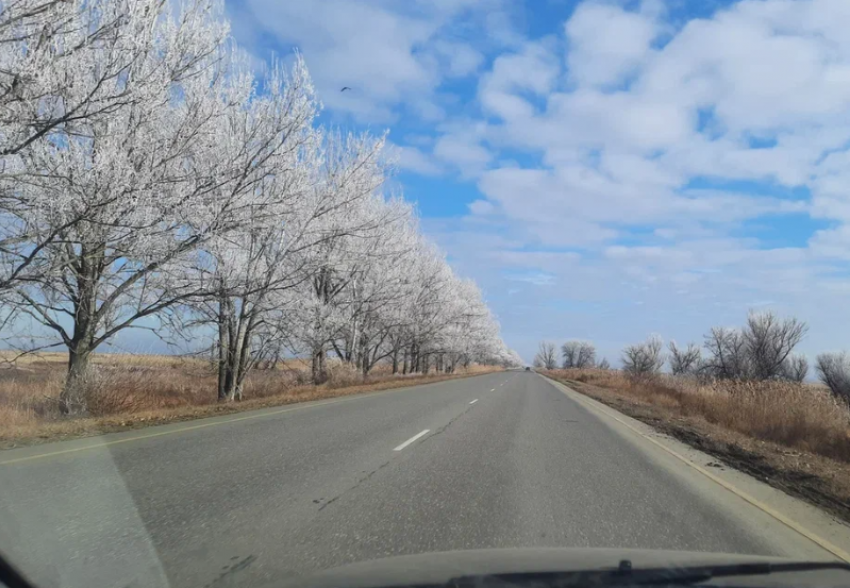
(621, 156)
(534, 278)
(606, 43)
(464, 151)
(589, 139)
(389, 53)
(461, 58)
(413, 159)
(534, 69)
(759, 93)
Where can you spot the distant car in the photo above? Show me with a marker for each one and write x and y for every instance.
(528, 369)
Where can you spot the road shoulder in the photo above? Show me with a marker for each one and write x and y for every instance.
(99, 438)
(755, 502)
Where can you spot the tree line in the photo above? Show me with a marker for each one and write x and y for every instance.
(761, 350)
(151, 177)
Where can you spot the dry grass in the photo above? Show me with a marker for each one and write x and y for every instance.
(129, 391)
(793, 437)
(798, 416)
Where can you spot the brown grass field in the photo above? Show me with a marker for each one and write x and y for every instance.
(794, 436)
(132, 391)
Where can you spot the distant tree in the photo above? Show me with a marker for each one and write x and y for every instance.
(578, 354)
(761, 350)
(603, 364)
(644, 358)
(727, 354)
(684, 361)
(795, 368)
(834, 371)
(546, 356)
(770, 341)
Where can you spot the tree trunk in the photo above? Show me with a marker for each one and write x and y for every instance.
(224, 347)
(395, 361)
(72, 400)
(414, 358)
(319, 373)
(404, 364)
(426, 364)
(238, 361)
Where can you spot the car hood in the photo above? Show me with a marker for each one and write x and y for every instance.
(438, 568)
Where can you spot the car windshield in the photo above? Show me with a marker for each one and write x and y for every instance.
(517, 286)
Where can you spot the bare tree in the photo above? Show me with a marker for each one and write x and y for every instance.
(727, 354)
(604, 364)
(834, 371)
(644, 358)
(578, 354)
(770, 341)
(684, 361)
(795, 368)
(546, 356)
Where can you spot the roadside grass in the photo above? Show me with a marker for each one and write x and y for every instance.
(133, 391)
(798, 416)
(794, 436)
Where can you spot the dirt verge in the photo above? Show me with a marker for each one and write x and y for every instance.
(66, 429)
(822, 482)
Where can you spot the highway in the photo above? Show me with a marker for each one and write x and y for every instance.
(500, 460)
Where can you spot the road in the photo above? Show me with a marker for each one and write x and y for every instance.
(499, 460)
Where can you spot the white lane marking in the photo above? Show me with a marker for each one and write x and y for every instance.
(474, 401)
(493, 390)
(412, 439)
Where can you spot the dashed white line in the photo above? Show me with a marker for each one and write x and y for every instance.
(412, 439)
(474, 401)
(493, 390)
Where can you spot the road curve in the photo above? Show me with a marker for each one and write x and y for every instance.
(499, 460)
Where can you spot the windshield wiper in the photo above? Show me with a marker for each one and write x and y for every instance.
(625, 574)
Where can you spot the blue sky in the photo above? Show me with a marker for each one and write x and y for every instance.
(604, 169)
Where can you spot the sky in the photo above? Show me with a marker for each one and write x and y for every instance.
(604, 169)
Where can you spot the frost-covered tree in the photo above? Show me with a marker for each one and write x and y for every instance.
(71, 72)
(148, 175)
(109, 202)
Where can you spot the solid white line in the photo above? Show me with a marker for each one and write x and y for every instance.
(474, 401)
(412, 439)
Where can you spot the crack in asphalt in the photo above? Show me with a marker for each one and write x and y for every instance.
(366, 478)
(356, 484)
(446, 426)
(226, 578)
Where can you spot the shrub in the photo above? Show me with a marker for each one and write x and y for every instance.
(834, 371)
(578, 354)
(684, 361)
(644, 358)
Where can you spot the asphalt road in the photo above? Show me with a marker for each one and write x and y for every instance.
(508, 460)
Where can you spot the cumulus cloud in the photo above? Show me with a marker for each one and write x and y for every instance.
(623, 155)
(606, 43)
(464, 151)
(413, 159)
(394, 56)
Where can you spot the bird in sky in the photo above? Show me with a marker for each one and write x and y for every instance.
(344, 88)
